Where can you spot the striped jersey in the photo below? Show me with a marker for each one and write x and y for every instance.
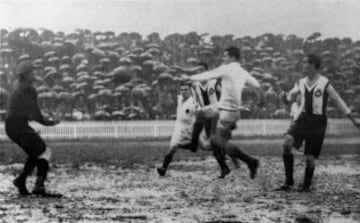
(205, 94)
(314, 99)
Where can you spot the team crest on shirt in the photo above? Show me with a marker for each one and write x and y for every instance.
(318, 93)
(211, 91)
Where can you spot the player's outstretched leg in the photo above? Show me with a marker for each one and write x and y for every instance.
(167, 160)
(309, 172)
(39, 188)
(252, 163)
(198, 126)
(20, 181)
(218, 152)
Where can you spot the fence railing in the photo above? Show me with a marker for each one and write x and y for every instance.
(155, 129)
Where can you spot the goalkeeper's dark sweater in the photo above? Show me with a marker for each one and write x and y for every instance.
(23, 103)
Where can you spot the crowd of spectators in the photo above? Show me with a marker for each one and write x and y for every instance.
(104, 76)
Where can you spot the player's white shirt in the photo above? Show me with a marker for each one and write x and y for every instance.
(185, 119)
(233, 80)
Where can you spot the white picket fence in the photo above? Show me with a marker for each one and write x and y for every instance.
(156, 129)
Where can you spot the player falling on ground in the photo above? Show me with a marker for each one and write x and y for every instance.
(233, 79)
(310, 126)
(22, 108)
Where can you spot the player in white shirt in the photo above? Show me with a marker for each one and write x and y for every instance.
(185, 119)
(310, 126)
(233, 79)
(206, 95)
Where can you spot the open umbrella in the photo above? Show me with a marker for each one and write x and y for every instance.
(42, 88)
(165, 77)
(67, 79)
(98, 87)
(65, 96)
(104, 61)
(49, 54)
(121, 74)
(64, 67)
(24, 57)
(92, 96)
(122, 89)
(57, 88)
(125, 61)
(104, 92)
(146, 56)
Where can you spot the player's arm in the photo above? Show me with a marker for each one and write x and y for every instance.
(340, 103)
(257, 88)
(289, 97)
(208, 75)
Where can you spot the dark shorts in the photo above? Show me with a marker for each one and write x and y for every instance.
(23, 135)
(311, 129)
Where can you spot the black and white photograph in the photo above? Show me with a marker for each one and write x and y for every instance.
(180, 111)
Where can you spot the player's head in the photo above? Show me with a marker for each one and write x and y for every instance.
(26, 71)
(231, 54)
(202, 67)
(185, 89)
(311, 63)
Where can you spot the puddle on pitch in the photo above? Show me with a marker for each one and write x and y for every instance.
(339, 218)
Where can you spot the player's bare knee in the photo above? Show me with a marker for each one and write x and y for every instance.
(287, 144)
(46, 155)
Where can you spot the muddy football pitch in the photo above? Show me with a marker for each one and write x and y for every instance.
(116, 181)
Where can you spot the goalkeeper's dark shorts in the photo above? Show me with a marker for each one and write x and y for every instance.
(27, 138)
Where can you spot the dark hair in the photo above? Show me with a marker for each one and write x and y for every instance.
(186, 83)
(314, 60)
(23, 69)
(204, 65)
(234, 52)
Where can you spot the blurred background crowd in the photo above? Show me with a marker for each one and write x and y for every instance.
(89, 75)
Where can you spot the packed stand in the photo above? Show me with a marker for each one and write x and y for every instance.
(103, 76)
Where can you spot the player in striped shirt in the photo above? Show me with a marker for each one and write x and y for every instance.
(310, 126)
(233, 79)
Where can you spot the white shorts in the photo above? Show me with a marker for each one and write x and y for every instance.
(210, 111)
(204, 141)
(181, 135)
(227, 119)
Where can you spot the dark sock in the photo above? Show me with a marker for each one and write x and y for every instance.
(235, 151)
(42, 167)
(288, 159)
(219, 156)
(168, 158)
(198, 126)
(309, 172)
(28, 167)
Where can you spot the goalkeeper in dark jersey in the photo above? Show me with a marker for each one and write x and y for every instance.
(22, 108)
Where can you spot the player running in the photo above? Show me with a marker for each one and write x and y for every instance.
(233, 79)
(310, 126)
